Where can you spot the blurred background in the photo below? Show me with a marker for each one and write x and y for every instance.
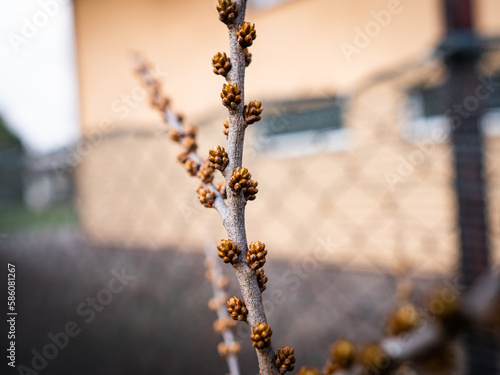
(377, 157)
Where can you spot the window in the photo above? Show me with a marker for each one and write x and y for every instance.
(300, 128)
(425, 114)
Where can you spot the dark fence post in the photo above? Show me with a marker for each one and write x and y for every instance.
(462, 50)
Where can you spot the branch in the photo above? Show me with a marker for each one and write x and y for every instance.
(479, 305)
(160, 102)
(235, 220)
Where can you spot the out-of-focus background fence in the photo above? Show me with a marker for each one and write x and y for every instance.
(355, 157)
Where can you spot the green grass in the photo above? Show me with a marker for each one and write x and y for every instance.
(18, 217)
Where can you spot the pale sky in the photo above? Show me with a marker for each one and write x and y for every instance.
(38, 79)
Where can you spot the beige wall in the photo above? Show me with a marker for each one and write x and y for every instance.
(131, 192)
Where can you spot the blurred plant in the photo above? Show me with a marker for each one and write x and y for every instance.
(409, 338)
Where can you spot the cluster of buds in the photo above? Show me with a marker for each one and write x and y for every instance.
(217, 156)
(261, 336)
(239, 179)
(256, 255)
(285, 359)
(246, 34)
(220, 325)
(231, 95)
(405, 319)
(191, 167)
(228, 251)
(342, 356)
(252, 112)
(374, 358)
(248, 57)
(221, 187)
(308, 371)
(261, 279)
(226, 350)
(221, 64)
(206, 173)
(250, 190)
(237, 309)
(228, 11)
(206, 197)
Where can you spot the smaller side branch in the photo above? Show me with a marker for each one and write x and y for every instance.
(172, 119)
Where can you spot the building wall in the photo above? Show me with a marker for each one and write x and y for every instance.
(337, 208)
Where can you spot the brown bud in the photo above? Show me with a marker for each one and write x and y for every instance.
(221, 186)
(250, 190)
(261, 279)
(246, 34)
(231, 349)
(237, 309)
(191, 167)
(213, 304)
(239, 179)
(175, 135)
(285, 359)
(183, 156)
(256, 255)
(227, 11)
(374, 357)
(160, 102)
(343, 353)
(190, 131)
(231, 95)
(220, 325)
(228, 251)
(206, 173)
(252, 111)
(226, 128)
(206, 197)
(217, 156)
(261, 336)
(221, 64)
(189, 144)
(405, 319)
(248, 57)
(331, 368)
(308, 371)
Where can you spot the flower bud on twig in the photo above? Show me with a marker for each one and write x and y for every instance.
(226, 128)
(252, 112)
(221, 64)
(221, 187)
(239, 179)
(191, 167)
(250, 190)
(261, 279)
(285, 359)
(246, 34)
(261, 336)
(228, 251)
(256, 255)
(206, 197)
(248, 57)
(227, 11)
(206, 173)
(217, 156)
(231, 95)
(237, 309)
